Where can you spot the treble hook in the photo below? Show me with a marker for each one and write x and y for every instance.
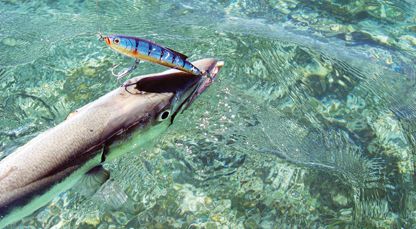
(126, 71)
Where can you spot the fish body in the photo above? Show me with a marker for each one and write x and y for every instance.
(121, 121)
(149, 51)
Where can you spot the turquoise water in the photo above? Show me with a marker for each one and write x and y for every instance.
(310, 124)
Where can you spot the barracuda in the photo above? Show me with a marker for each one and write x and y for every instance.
(142, 49)
(121, 121)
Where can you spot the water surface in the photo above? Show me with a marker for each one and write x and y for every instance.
(310, 124)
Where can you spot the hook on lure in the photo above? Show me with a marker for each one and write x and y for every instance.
(125, 71)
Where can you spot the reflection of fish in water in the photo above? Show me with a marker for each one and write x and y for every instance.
(142, 49)
(57, 159)
(331, 151)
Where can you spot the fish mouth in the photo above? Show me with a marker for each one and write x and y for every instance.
(207, 79)
(107, 40)
(210, 76)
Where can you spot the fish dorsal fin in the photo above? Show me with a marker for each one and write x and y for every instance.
(181, 55)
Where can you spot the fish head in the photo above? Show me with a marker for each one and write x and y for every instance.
(173, 90)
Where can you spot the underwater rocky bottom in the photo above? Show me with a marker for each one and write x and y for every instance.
(310, 123)
(313, 143)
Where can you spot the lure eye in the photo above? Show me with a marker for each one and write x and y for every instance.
(164, 115)
(116, 40)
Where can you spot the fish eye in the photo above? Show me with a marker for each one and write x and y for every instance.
(163, 115)
(116, 40)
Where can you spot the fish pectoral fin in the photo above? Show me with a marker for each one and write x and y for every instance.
(181, 55)
(93, 180)
(112, 196)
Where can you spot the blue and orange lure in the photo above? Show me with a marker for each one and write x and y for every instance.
(141, 49)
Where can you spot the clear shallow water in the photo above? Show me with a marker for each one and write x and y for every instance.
(311, 123)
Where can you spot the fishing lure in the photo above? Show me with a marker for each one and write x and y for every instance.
(142, 49)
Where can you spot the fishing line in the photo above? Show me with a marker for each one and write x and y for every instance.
(98, 25)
